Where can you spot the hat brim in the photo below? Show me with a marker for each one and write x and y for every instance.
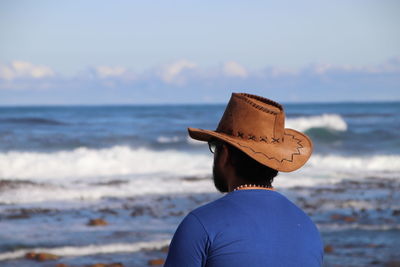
(285, 156)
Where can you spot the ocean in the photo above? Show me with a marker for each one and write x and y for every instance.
(136, 169)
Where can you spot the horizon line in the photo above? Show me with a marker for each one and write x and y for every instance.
(193, 103)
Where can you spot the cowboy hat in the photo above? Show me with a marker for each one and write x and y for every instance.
(256, 126)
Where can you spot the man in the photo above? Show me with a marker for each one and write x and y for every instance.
(252, 225)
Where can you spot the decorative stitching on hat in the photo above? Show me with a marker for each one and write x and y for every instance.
(248, 136)
(243, 97)
(252, 137)
(290, 160)
(275, 140)
(262, 99)
(265, 100)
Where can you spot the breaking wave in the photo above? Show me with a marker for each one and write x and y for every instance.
(166, 139)
(328, 121)
(389, 163)
(115, 161)
(123, 161)
(88, 250)
(122, 171)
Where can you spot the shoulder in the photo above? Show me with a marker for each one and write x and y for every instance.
(234, 200)
(211, 207)
(211, 214)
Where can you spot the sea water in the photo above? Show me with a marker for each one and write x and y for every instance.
(136, 168)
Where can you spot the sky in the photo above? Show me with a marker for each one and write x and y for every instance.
(161, 52)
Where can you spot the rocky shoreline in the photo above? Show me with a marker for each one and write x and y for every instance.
(359, 220)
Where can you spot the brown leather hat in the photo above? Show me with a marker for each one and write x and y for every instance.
(256, 126)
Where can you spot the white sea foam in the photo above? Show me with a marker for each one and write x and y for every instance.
(82, 174)
(385, 163)
(165, 139)
(75, 191)
(329, 121)
(88, 250)
(84, 163)
(329, 169)
(107, 162)
(357, 226)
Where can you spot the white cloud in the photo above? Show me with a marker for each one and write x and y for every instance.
(234, 69)
(184, 74)
(172, 73)
(107, 71)
(390, 66)
(23, 69)
(322, 69)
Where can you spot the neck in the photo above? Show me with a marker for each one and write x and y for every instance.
(235, 184)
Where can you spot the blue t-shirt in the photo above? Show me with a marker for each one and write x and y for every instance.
(246, 228)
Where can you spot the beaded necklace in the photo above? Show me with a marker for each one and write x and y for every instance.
(253, 186)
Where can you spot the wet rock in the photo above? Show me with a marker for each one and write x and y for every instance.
(41, 256)
(376, 262)
(116, 264)
(30, 255)
(46, 257)
(109, 211)
(112, 182)
(393, 264)
(336, 217)
(36, 211)
(193, 178)
(388, 220)
(18, 216)
(340, 217)
(122, 234)
(97, 265)
(154, 262)
(309, 206)
(176, 213)
(165, 249)
(143, 210)
(97, 222)
(349, 219)
(12, 184)
(328, 249)
(138, 211)
(25, 213)
(396, 212)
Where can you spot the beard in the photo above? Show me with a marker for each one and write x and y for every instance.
(220, 184)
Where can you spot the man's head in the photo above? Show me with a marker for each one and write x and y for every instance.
(254, 143)
(231, 163)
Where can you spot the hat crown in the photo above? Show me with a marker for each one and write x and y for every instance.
(252, 117)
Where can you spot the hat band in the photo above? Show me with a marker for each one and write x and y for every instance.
(297, 152)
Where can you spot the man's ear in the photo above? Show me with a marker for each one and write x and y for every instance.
(224, 154)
